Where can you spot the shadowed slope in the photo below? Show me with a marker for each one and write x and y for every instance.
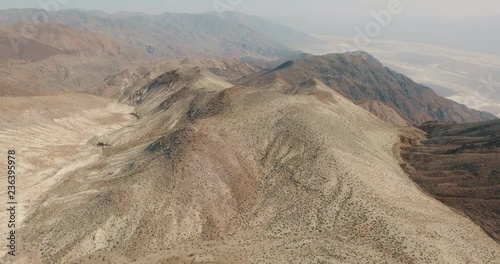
(460, 166)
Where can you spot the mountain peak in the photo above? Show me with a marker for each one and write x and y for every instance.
(361, 77)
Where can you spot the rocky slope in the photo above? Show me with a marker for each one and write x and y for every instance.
(460, 166)
(216, 173)
(360, 77)
(384, 112)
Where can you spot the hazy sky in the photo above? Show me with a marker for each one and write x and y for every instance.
(309, 8)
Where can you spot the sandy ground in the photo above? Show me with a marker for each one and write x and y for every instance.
(50, 135)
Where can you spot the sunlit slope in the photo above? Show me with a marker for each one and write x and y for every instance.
(219, 174)
(51, 137)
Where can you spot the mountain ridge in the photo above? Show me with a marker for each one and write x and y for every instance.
(216, 172)
(169, 35)
(360, 77)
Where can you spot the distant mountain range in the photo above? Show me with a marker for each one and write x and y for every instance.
(82, 50)
(103, 54)
(276, 32)
(174, 35)
(59, 58)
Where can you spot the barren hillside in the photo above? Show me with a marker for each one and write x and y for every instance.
(215, 173)
(51, 137)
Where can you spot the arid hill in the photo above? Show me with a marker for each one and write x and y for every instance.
(32, 44)
(115, 85)
(50, 135)
(460, 166)
(59, 58)
(360, 77)
(216, 173)
(228, 69)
